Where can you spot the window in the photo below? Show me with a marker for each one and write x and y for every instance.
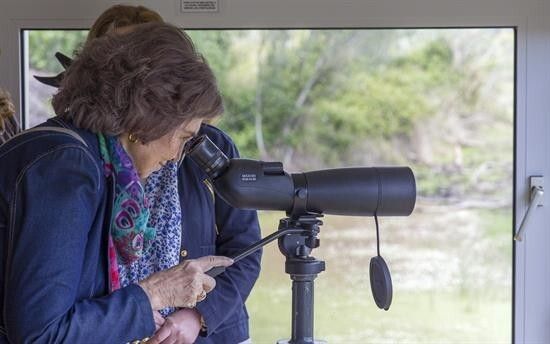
(438, 100)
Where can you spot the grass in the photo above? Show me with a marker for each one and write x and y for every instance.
(349, 315)
(451, 277)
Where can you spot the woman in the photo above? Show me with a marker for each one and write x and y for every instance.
(124, 95)
(121, 18)
(235, 234)
(8, 123)
(235, 229)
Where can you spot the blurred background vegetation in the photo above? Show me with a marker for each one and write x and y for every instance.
(440, 101)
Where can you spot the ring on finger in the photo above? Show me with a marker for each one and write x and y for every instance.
(191, 305)
(201, 296)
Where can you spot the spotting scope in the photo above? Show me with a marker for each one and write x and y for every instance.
(260, 185)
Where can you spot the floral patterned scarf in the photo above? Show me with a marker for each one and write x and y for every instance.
(130, 235)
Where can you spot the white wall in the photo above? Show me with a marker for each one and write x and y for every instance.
(531, 17)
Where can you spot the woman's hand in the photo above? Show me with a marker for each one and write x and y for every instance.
(181, 327)
(182, 285)
(159, 320)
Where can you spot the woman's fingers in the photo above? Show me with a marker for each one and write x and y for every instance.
(208, 262)
(160, 335)
(208, 283)
(181, 285)
(170, 340)
(159, 319)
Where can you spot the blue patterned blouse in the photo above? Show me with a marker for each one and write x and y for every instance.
(161, 189)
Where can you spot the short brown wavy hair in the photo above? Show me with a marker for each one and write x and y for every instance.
(146, 82)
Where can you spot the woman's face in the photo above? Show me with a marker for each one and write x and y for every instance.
(152, 156)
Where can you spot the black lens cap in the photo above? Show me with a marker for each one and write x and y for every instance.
(380, 282)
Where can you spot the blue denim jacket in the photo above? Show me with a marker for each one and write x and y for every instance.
(55, 205)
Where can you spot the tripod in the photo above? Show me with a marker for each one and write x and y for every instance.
(251, 184)
(297, 238)
(303, 269)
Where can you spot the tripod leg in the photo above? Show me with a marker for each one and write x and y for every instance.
(302, 309)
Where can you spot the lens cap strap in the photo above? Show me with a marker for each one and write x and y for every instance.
(380, 278)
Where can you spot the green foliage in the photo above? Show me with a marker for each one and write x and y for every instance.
(318, 98)
(316, 93)
(45, 43)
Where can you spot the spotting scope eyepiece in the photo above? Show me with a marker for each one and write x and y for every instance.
(259, 185)
(207, 155)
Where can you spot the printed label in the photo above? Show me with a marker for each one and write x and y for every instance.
(199, 6)
(248, 177)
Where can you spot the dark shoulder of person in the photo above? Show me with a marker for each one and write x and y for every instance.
(220, 138)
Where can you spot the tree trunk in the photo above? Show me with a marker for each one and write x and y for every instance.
(258, 118)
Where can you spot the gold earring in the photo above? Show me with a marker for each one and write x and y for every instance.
(132, 138)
